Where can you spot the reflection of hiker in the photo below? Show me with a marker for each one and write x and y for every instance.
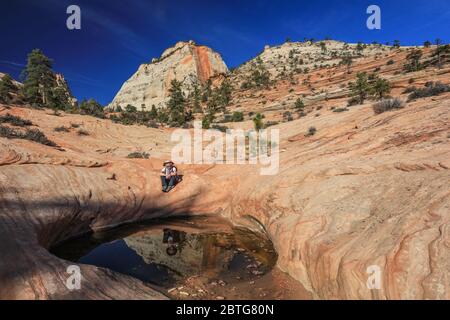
(168, 176)
(173, 238)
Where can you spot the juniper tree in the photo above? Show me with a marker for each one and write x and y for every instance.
(361, 88)
(380, 88)
(299, 105)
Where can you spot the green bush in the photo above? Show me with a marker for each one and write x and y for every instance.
(237, 116)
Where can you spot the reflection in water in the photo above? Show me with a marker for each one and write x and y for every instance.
(165, 254)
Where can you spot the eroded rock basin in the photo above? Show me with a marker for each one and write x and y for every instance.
(189, 258)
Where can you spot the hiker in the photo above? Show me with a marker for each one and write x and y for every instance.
(169, 176)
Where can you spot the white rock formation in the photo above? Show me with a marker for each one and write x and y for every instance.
(185, 62)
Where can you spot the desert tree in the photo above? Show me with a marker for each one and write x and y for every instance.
(299, 105)
(40, 86)
(413, 59)
(380, 88)
(176, 103)
(347, 61)
(39, 78)
(7, 87)
(92, 107)
(440, 52)
(323, 47)
(258, 122)
(360, 89)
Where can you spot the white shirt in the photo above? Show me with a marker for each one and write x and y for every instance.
(169, 171)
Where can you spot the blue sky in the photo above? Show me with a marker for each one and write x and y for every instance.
(117, 36)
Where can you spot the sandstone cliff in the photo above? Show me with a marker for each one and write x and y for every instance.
(185, 62)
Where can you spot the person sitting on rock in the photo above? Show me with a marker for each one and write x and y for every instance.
(169, 176)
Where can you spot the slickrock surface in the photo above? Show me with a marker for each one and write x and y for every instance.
(186, 62)
(366, 190)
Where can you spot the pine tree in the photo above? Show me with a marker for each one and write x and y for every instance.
(176, 103)
(207, 90)
(39, 79)
(153, 112)
(6, 88)
(196, 97)
(40, 86)
(361, 88)
(224, 93)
